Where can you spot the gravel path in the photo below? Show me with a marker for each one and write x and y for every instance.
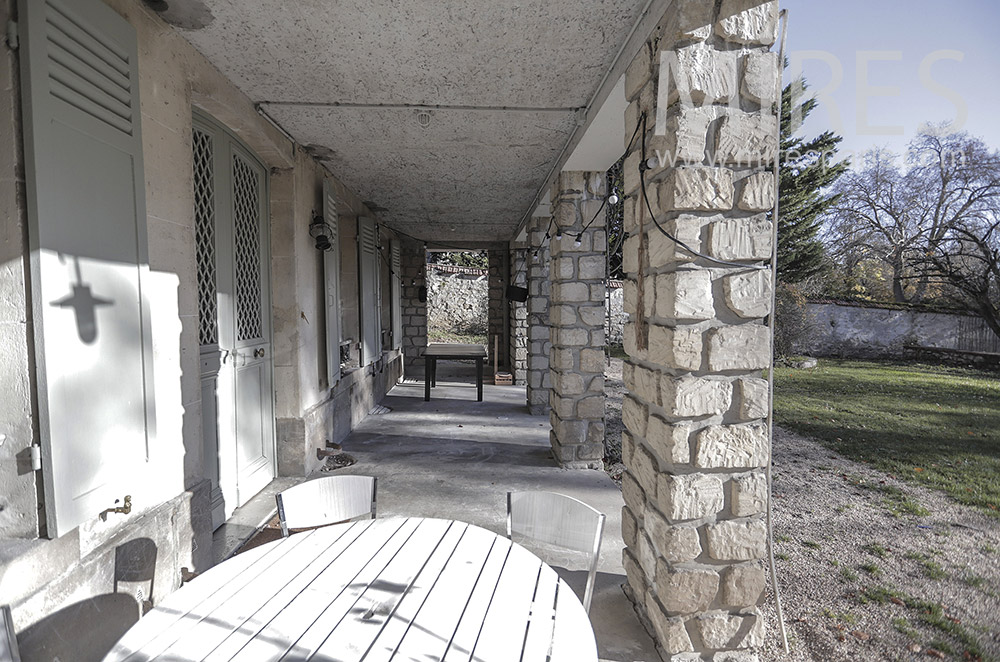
(870, 567)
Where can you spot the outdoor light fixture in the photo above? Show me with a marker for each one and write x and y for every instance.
(613, 199)
(321, 231)
(559, 235)
(579, 240)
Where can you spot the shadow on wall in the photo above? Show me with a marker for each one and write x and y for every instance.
(135, 567)
(84, 631)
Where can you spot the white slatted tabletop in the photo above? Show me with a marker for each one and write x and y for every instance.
(381, 590)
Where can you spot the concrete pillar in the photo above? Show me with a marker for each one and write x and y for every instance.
(576, 319)
(539, 288)
(696, 439)
(497, 308)
(519, 317)
(412, 262)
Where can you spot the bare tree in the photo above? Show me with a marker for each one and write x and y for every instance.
(904, 218)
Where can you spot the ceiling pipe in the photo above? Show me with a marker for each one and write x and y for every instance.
(650, 16)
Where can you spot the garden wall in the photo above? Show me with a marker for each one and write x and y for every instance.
(839, 329)
(457, 299)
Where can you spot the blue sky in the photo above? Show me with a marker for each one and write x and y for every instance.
(911, 33)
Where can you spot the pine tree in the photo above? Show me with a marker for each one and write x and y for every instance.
(807, 168)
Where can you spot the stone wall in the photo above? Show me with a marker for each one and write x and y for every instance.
(457, 302)
(498, 340)
(539, 381)
(413, 258)
(870, 332)
(615, 316)
(696, 440)
(519, 317)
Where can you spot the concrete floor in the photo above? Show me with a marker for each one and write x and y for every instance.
(456, 458)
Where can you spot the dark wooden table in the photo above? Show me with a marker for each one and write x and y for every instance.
(455, 352)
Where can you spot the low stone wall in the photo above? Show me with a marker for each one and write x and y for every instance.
(457, 299)
(615, 316)
(839, 329)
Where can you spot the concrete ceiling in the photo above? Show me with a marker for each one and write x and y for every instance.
(502, 80)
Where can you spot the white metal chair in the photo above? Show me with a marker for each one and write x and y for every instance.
(559, 520)
(8, 639)
(326, 500)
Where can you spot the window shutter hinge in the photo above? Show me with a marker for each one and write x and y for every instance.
(36, 457)
(12, 35)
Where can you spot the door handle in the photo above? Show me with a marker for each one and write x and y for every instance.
(258, 353)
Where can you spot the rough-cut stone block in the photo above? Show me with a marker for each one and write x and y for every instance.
(757, 193)
(592, 316)
(748, 21)
(693, 188)
(678, 348)
(632, 493)
(742, 585)
(697, 75)
(685, 295)
(717, 629)
(685, 138)
(634, 416)
(592, 267)
(647, 384)
(592, 360)
(670, 441)
(676, 544)
(758, 629)
(630, 342)
(753, 398)
(563, 292)
(749, 494)
(645, 468)
(563, 359)
(568, 383)
(638, 72)
(630, 527)
(749, 294)
(630, 255)
(688, 397)
(591, 408)
(687, 20)
(630, 295)
(732, 446)
(736, 656)
(741, 239)
(690, 496)
(747, 139)
(647, 555)
(685, 590)
(628, 447)
(743, 347)
(737, 540)
(665, 251)
(760, 77)
(671, 633)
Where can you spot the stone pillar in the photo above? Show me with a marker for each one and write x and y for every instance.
(519, 317)
(576, 319)
(539, 288)
(497, 260)
(696, 439)
(412, 265)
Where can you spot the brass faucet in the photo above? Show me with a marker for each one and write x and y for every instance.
(124, 510)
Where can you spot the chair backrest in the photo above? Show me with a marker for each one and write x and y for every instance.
(8, 638)
(326, 500)
(560, 520)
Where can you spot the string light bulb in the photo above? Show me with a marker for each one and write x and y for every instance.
(559, 235)
(579, 240)
(613, 199)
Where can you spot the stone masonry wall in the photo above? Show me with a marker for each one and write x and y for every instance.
(539, 344)
(615, 318)
(576, 319)
(457, 302)
(412, 260)
(519, 317)
(696, 440)
(497, 306)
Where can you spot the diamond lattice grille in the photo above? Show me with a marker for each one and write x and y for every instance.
(246, 216)
(204, 232)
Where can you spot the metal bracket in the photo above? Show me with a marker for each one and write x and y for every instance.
(36, 457)
(12, 35)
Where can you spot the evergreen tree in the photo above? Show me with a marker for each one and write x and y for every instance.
(807, 168)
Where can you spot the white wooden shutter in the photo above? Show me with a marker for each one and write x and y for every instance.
(87, 231)
(371, 347)
(396, 294)
(331, 271)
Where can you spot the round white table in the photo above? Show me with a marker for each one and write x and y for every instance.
(384, 589)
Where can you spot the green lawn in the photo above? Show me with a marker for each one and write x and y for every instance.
(934, 425)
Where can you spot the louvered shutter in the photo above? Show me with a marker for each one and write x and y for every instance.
(331, 271)
(87, 230)
(371, 347)
(396, 294)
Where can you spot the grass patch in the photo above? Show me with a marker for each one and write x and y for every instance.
(848, 575)
(876, 549)
(781, 556)
(988, 549)
(617, 352)
(933, 570)
(934, 425)
(782, 538)
(896, 501)
(843, 508)
(811, 544)
(903, 627)
(929, 613)
(975, 581)
(872, 569)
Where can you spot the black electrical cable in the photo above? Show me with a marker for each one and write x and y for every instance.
(642, 181)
